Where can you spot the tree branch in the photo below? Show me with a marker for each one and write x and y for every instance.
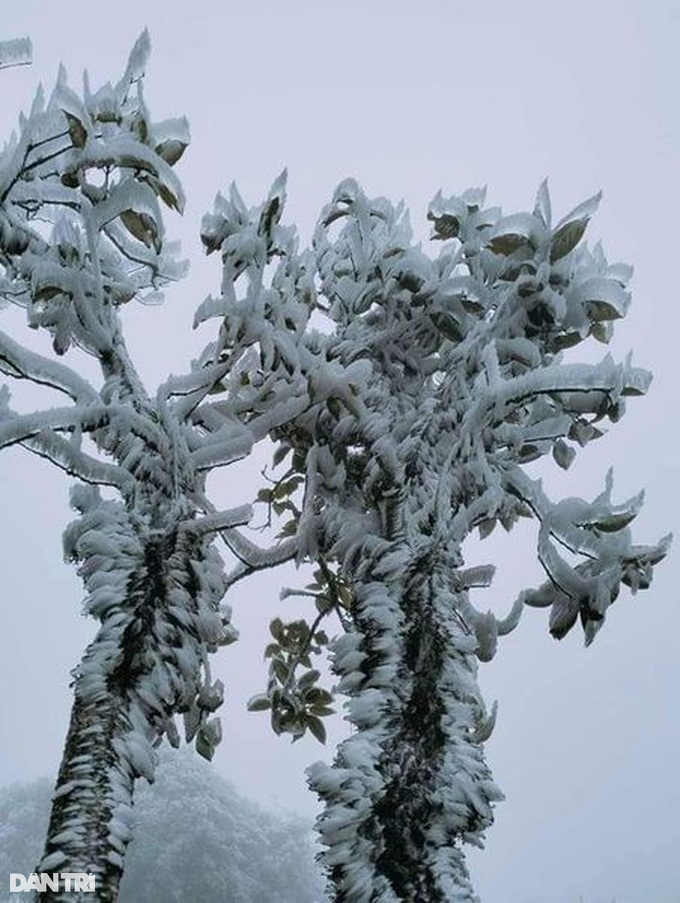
(79, 464)
(21, 363)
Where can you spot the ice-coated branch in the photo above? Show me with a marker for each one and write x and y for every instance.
(22, 363)
(64, 455)
(85, 419)
(218, 521)
(18, 52)
(255, 556)
(598, 534)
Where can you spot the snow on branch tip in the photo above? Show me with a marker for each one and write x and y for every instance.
(18, 52)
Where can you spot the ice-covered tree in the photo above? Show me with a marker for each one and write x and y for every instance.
(467, 379)
(405, 423)
(82, 184)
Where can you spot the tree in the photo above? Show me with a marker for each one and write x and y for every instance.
(408, 422)
(81, 235)
(465, 385)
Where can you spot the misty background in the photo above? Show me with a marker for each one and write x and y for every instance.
(409, 98)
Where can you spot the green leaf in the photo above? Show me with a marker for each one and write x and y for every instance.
(259, 703)
(567, 340)
(228, 636)
(168, 196)
(139, 127)
(316, 728)
(288, 529)
(323, 604)
(308, 679)
(280, 669)
(47, 293)
(171, 150)
(277, 630)
(604, 311)
(76, 130)
(445, 226)
(318, 696)
(280, 453)
(613, 521)
(583, 432)
(208, 738)
(486, 527)
(602, 331)
(345, 596)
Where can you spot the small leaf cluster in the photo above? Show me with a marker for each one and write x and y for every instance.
(296, 703)
(279, 499)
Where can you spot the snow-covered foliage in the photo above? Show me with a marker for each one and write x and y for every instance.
(406, 424)
(461, 383)
(15, 53)
(82, 187)
(195, 838)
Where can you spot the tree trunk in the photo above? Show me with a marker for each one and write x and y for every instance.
(157, 592)
(411, 784)
(91, 807)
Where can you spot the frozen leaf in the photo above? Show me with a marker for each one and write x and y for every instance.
(139, 57)
(563, 454)
(514, 232)
(172, 139)
(77, 131)
(542, 206)
(566, 238)
(316, 727)
(142, 226)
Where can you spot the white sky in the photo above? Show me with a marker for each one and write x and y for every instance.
(409, 98)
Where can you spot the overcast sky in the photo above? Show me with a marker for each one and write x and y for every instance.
(408, 98)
